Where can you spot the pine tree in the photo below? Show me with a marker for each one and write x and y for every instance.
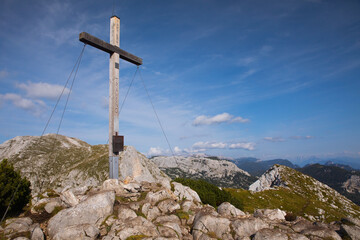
(11, 182)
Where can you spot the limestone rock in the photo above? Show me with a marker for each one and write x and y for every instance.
(138, 167)
(272, 214)
(228, 210)
(168, 206)
(167, 218)
(352, 231)
(17, 225)
(69, 198)
(154, 197)
(321, 233)
(136, 226)
(269, 180)
(209, 224)
(49, 207)
(126, 213)
(37, 234)
(248, 226)
(151, 212)
(270, 234)
(91, 211)
(184, 192)
(113, 185)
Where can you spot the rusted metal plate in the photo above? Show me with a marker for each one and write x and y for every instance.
(118, 144)
(109, 48)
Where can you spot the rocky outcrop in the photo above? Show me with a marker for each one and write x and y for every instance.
(222, 173)
(269, 180)
(56, 162)
(352, 185)
(133, 210)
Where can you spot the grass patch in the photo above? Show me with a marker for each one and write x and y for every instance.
(181, 214)
(136, 237)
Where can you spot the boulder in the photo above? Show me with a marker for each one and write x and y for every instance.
(248, 226)
(301, 225)
(154, 197)
(167, 232)
(272, 214)
(112, 185)
(37, 234)
(77, 232)
(49, 207)
(321, 233)
(270, 234)
(228, 210)
(126, 213)
(151, 212)
(352, 231)
(135, 226)
(168, 206)
(91, 211)
(211, 225)
(17, 225)
(69, 198)
(167, 218)
(184, 192)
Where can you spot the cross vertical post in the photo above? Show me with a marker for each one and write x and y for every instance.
(116, 142)
(114, 96)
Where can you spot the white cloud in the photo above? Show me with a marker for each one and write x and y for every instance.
(42, 90)
(220, 118)
(274, 139)
(246, 145)
(155, 151)
(301, 137)
(36, 107)
(177, 150)
(209, 145)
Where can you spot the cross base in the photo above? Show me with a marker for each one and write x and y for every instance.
(114, 167)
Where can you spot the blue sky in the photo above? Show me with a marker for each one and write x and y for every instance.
(267, 79)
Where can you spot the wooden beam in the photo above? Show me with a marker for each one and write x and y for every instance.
(107, 47)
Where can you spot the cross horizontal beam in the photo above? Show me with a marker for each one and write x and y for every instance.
(109, 48)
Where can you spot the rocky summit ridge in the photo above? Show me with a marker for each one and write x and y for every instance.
(56, 161)
(128, 210)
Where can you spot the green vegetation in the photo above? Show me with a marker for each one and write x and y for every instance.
(136, 237)
(209, 193)
(11, 182)
(303, 197)
(334, 177)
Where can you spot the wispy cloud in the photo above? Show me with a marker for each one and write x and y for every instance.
(301, 137)
(274, 139)
(220, 145)
(220, 118)
(42, 90)
(209, 145)
(36, 107)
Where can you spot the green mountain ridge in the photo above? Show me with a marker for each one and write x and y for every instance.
(303, 195)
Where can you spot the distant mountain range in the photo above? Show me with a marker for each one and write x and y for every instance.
(257, 167)
(215, 170)
(342, 178)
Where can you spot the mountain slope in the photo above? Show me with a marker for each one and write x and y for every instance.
(257, 167)
(285, 188)
(222, 173)
(56, 161)
(346, 182)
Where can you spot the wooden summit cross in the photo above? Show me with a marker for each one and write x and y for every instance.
(116, 142)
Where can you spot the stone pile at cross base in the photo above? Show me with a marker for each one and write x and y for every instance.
(142, 210)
